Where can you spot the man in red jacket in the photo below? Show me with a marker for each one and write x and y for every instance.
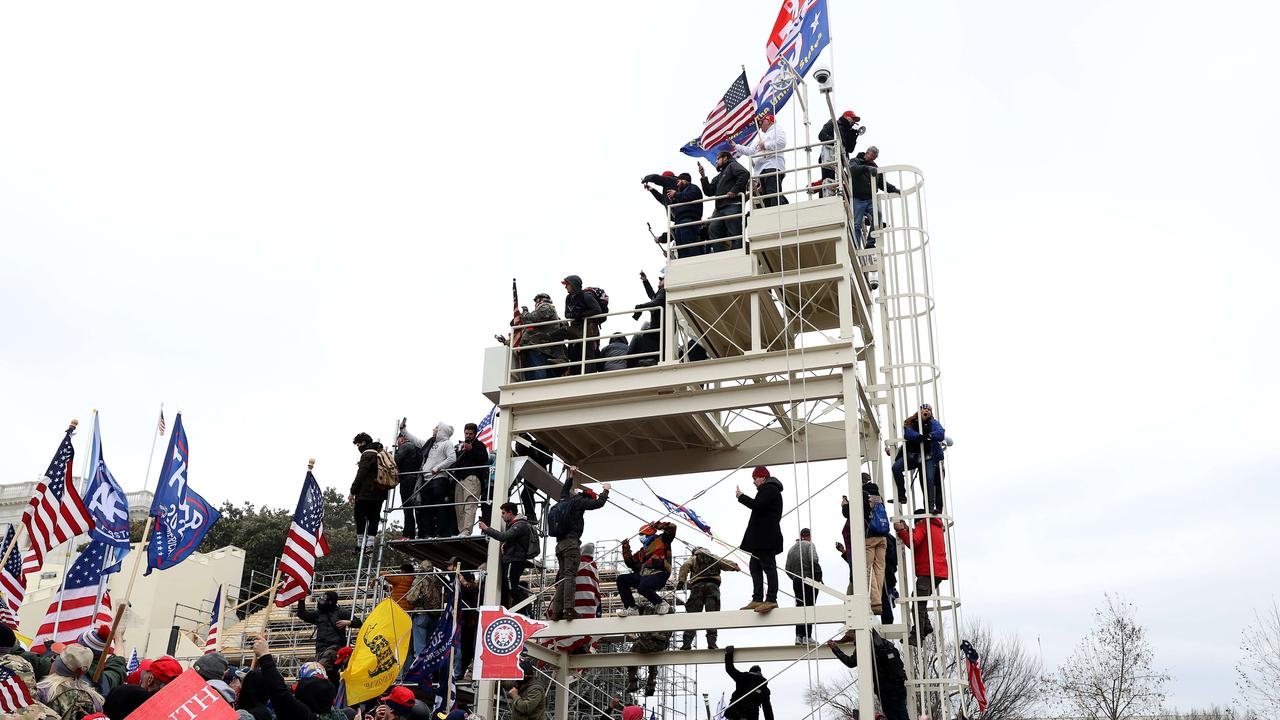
(929, 551)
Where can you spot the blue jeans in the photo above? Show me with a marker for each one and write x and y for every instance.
(423, 624)
(534, 359)
(647, 585)
(861, 209)
(931, 485)
(727, 227)
(688, 236)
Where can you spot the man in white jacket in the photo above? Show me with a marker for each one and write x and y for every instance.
(765, 150)
(435, 487)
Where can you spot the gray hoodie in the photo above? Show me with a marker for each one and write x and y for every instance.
(442, 454)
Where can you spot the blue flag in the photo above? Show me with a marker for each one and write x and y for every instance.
(107, 504)
(811, 35)
(688, 513)
(182, 518)
(446, 635)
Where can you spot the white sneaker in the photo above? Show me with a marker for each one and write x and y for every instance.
(627, 612)
(662, 608)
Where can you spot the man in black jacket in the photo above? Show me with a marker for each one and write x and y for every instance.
(366, 494)
(727, 187)
(861, 172)
(515, 539)
(579, 305)
(847, 124)
(889, 678)
(679, 190)
(649, 341)
(409, 465)
(763, 538)
(331, 623)
(566, 525)
(750, 692)
(472, 464)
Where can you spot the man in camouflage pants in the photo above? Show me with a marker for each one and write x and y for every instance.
(701, 575)
(652, 642)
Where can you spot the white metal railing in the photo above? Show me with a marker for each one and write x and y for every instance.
(580, 336)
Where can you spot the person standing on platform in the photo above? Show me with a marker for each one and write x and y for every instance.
(473, 459)
(516, 540)
(580, 309)
(366, 494)
(565, 523)
(435, 488)
(802, 564)
(409, 464)
(544, 311)
(889, 678)
(750, 692)
(701, 575)
(763, 538)
(847, 124)
(770, 165)
(679, 190)
(929, 551)
(728, 187)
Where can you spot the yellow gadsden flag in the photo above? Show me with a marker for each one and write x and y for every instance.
(380, 651)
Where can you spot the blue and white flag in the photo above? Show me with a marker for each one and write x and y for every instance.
(182, 518)
(803, 42)
(688, 513)
(107, 504)
(446, 636)
(134, 663)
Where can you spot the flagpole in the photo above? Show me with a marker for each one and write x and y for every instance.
(115, 623)
(66, 558)
(151, 455)
(457, 592)
(266, 614)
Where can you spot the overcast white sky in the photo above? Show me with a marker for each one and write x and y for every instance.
(297, 221)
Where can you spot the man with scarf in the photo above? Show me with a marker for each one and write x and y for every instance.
(331, 625)
(650, 568)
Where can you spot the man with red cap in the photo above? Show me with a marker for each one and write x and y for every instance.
(396, 704)
(164, 670)
(847, 124)
(770, 166)
(763, 538)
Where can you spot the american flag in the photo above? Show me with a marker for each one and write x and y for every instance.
(14, 694)
(134, 662)
(484, 431)
(56, 514)
(734, 110)
(586, 600)
(689, 514)
(13, 583)
(211, 642)
(977, 687)
(75, 606)
(160, 424)
(305, 544)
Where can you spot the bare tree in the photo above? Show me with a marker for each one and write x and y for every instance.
(1258, 672)
(1110, 674)
(1011, 674)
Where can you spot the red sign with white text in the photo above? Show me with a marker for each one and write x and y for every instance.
(502, 635)
(188, 697)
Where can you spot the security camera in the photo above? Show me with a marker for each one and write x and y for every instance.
(823, 76)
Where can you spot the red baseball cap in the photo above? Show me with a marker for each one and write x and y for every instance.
(767, 116)
(851, 115)
(165, 668)
(400, 697)
(668, 173)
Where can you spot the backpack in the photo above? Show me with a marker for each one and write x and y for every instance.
(558, 517)
(601, 296)
(878, 521)
(535, 543)
(388, 474)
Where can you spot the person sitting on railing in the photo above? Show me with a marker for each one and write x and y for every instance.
(847, 123)
(728, 187)
(544, 311)
(677, 190)
(580, 309)
(769, 163)
(861, 170)
(473, 459)
(650, 568)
